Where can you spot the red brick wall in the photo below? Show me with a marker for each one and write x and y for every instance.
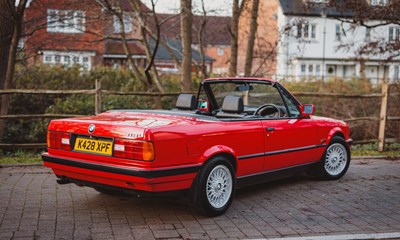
(266, 38)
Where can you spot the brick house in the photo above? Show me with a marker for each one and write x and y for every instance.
(267, 35)
(76, 32)
(62, 32)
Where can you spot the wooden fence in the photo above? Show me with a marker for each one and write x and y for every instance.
(98, 92)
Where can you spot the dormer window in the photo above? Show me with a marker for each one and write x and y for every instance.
(65, 21)
(379, 2)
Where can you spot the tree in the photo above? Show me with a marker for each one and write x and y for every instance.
(251, 38)
(201, 38)
(186, 35)
(237, 10)
(234, 31)
(13, 15)
(363, 13)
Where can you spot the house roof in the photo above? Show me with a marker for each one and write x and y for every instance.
(359, 9)
(176, 46)
(301, 8)
(216, 28)
(116, 47)
(125, 5)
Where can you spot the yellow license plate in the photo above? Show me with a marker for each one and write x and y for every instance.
(93, 146)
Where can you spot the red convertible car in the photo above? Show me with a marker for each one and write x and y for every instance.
(235, 132)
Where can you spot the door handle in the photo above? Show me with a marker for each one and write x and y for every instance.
(270, 129)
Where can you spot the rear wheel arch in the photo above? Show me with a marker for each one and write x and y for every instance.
(232, 159)
(200, 190)
(219, 151)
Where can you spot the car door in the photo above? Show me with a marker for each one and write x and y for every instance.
(290, 138)
(289, 142)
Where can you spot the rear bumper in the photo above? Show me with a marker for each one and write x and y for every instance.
(129, 178)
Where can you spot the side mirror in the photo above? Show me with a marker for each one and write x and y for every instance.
(307, 110)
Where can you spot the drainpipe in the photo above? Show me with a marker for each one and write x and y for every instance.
(324, 16)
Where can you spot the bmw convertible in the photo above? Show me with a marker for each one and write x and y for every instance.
(233, 133)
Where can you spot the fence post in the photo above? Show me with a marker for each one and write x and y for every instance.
(383, 117)
(97, 105)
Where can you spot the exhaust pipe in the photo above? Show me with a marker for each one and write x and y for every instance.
(62, 181)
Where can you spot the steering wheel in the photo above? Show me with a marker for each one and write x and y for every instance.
(269, 109)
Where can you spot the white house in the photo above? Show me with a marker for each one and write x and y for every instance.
(318, 45)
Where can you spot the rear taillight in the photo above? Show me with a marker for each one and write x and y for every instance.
(59, 140)
(133, 149)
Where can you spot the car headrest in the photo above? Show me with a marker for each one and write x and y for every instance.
(186, 102)
(232, 104)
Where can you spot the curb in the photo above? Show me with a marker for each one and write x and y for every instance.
(22, 165)
(376, 157)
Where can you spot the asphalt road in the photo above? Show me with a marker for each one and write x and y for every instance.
(363, 204)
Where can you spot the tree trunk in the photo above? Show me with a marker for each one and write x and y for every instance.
(6, 31)
(251, 39)
(150, 67)
(234, 38)
(201, 37)
(17, 15)
(186, 32)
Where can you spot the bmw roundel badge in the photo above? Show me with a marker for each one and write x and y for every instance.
(91, 128)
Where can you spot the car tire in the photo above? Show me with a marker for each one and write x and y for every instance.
(214, 187)
(335, 161)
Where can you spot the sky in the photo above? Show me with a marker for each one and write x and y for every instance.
(213, 7)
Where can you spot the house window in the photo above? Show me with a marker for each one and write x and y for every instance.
(303, 69)
(313, 31)
(220, 51)
(47, 58)
(127, 21)
(310, 69)
(378, 2)
(307, 31)
(367, 34)
(394, 33)
(396, 72)
(65, 21)
(338, 33)
(64, 58)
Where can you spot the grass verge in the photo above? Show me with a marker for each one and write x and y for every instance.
(391, 150)
(21, 157)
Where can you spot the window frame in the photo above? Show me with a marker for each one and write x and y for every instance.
(74, 22)
(127, 22)
(307, 31)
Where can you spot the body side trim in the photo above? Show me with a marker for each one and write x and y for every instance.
(244, 157)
